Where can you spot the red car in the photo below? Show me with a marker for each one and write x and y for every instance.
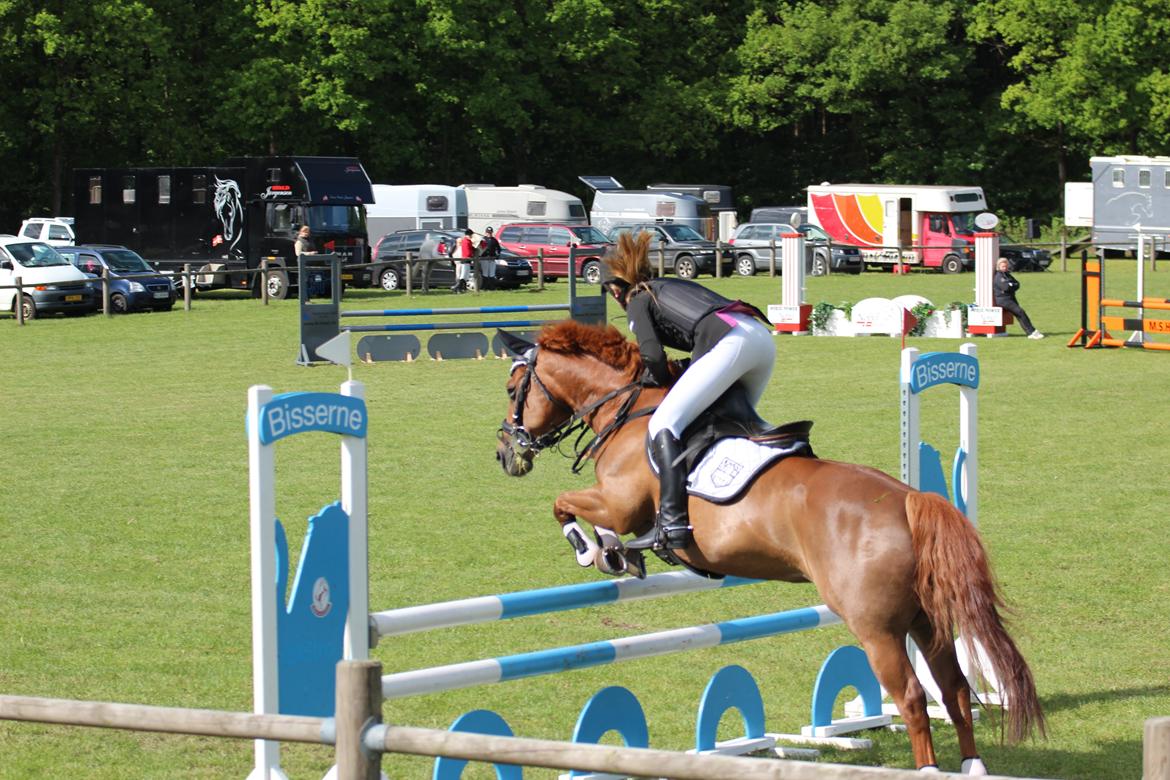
(555, 239)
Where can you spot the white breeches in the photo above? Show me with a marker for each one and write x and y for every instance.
(746, 354)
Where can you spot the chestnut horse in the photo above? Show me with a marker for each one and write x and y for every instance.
(889, 560)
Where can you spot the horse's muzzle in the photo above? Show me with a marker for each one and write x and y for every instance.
(516, 461)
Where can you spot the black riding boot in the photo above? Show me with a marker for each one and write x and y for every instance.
(672, 526)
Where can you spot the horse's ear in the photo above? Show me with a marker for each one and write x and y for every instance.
(514, 344)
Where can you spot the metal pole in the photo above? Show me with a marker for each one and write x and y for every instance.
(661, 258)
(540, 269)
(19, 301)
(264, 280)
(409, 268)
(718, 261)
(186, 277)
(359, 706)
(772, 259)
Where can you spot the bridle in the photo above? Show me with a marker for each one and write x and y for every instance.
(524, 443)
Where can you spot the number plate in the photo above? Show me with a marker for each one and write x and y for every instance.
(162, 295)
(347, 277)
(72, 298)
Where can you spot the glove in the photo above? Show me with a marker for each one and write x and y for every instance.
(647, 379)
(677, 367)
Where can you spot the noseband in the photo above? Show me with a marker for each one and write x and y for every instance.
(522, 440)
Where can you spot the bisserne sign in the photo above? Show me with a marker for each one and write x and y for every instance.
(936, 368)
(292, 413)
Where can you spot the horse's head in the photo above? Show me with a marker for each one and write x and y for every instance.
(536, 417)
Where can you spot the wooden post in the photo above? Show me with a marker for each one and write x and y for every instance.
(359, 705)
(264, 280)
(106, 308)
(661, 258)
(409, 268)
(186, 286)
(718, 260)
(540, 269)
(1156, 752)
(1064, 247)
(772, 259)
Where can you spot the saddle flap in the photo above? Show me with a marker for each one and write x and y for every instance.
(731, 416)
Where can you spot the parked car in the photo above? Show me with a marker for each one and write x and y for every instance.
(528, 239)
(134, 285)
(1025, 258)
(50, 283)
(683, 250)
(389, 261)
(752, 247)
(55, 231)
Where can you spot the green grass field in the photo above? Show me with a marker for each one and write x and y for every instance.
(124, 536)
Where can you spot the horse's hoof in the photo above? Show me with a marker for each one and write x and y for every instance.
(930, 768)
(973, 766)
(609, 561)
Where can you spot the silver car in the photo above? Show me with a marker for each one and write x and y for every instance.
(753, 241)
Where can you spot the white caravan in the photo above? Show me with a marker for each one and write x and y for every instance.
(415, 207)
(613, 205)
(492, 206)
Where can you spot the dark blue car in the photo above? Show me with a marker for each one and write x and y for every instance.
(134, 285)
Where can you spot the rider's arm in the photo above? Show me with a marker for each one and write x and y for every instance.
(649, 344)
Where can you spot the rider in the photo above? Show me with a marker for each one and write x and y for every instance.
(729, 342)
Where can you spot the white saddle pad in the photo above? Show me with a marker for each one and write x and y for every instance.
(729, 467)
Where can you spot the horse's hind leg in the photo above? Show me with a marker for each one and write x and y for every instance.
(891, 664)
(956, 692)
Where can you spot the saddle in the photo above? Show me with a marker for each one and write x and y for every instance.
(732, 417)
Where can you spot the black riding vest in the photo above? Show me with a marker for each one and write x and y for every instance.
(677, 313)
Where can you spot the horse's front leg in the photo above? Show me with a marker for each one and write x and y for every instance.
(593, 506)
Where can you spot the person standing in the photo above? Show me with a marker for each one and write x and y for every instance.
(1004, 287)
(304, 242)
(729, 342)
(489, 253)
(464, 252)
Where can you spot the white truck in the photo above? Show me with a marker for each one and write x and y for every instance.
(54, 231)
(915, 224)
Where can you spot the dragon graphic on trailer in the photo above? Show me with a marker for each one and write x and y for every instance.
(226, 221)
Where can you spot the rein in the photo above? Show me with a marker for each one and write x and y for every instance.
(575, 423)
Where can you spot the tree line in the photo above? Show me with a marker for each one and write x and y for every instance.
(768, 97)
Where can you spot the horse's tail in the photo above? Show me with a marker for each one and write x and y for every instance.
(956, 589)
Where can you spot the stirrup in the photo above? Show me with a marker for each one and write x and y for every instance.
(669, 537)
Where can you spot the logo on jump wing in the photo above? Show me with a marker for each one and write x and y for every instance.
(322, 599)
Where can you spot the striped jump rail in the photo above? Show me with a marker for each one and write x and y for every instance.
(485, 609)
(415, 326)
(562, 659)
(455, 310)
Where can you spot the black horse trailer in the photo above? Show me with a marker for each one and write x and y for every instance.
(227, 219)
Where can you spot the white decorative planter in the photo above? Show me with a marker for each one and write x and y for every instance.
(836, 325)
(937, 326)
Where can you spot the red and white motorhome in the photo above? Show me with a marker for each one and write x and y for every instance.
(927, 225)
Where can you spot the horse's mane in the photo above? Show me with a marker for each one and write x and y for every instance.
(604, 342)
